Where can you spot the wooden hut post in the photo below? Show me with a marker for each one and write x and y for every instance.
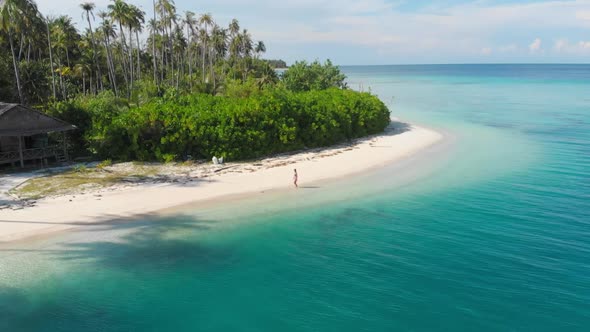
(20, 151)
(65, 146)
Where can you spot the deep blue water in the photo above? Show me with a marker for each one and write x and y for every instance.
(544, 72)
(489, 231)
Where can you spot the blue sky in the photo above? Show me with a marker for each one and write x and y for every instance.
(399, 31)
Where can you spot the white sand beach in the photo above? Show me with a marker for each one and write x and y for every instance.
(58, 213)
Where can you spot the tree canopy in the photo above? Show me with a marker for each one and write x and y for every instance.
(303, 76)
(269, 121)
(277, 63)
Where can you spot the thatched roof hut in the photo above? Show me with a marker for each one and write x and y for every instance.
(20, 131)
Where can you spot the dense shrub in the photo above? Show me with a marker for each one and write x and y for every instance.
(277, 63)
(91, 115)
(271, 121)
(303, 76)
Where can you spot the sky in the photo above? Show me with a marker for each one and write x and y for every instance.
(373, 32)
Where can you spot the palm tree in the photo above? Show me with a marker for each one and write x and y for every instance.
(133, 19)
(137, 25)
(179, 46)
(247, 46)
(218, 48)
(31, 23)
(50, 57)
(247, 49)
(153, 25)
(119, 13)
(190, 22)
(234, 28)
(234, 31)
(67, 36)
(63, 39)
(205, 20)
(88, 7)
(167, 12)
(203, 37)
(80, 70)
(260, 48)
(12, 14)
(60, 44)
(107, 30)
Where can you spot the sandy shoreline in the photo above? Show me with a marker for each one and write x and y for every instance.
(59, 213)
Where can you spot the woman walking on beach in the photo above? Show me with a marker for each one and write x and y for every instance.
(295, 178)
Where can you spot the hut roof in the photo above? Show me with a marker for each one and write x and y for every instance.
(18, 120)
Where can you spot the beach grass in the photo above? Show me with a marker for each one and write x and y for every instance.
(81, 178)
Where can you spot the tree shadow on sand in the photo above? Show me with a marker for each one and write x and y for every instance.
(125, 254)
(155, 243)
(398, 127)
(142, 243)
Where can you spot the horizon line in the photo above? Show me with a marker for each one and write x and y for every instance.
(468, 63)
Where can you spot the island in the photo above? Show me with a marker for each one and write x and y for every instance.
(143, 114)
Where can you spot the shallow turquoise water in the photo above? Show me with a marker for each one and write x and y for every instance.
(489, 232)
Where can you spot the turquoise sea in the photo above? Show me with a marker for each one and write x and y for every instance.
(487, 231)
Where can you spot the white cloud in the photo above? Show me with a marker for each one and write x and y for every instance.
(535, 46)
(563, 46)
(436, 31)
(510, 48)
(450, 31)
(583, 15)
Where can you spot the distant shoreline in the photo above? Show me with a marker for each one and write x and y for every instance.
(54, 214)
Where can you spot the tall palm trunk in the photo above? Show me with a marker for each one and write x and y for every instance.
(29, 53)
(94, 53)
(130, 51)
(165, 47)
(51, 59)
(123, 62)
(190, 66)
(154, 60)
(61, 79)
(154, 44)
(111, 65)
(16, 71)
(91, 85)
(178, 71)
(162, 65)
(189, 57)
(171, 43)
(211, 67)
(21, 46)
(138, 60)
(204, 52)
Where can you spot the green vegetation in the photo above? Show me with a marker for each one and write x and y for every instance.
(192, 88)
(105, 163)
(46, 59)
(269, 121)
(303, 76)
(277, 63)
